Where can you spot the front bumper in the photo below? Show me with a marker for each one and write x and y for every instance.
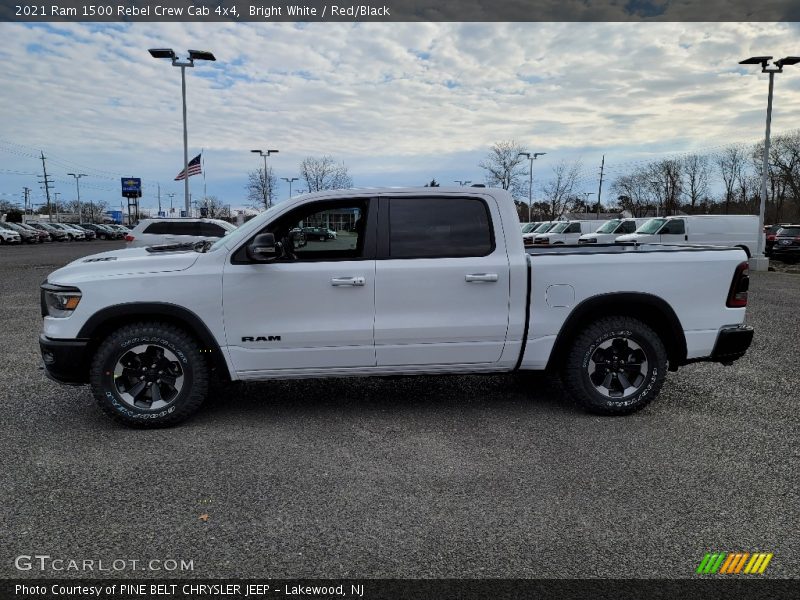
(65, 361)
(732, 343)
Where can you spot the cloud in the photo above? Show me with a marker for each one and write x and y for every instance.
(399, 102)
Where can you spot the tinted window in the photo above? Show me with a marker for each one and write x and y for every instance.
(439, 227)
(574, 228)
(627, 227)
(211, 230)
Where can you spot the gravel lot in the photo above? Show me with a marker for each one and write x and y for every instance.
(426, 477)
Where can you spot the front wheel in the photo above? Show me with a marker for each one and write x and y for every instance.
(149, 375)
(616, 366)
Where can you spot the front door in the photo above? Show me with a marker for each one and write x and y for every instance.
(312, 309)
(674, 232)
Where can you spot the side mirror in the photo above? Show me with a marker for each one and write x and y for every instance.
(263, 248)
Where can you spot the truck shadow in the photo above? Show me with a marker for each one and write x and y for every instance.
(534, 392)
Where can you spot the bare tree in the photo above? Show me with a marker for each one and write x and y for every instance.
(730, 162)
(504, 168)
(665, 181)
(215, 209)
(324, 174)
(558, 192)
(261, 188)
(695, 178)
(633, 193)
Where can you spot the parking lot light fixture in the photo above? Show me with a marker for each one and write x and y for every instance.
(462, 182)
(194, 55)
(290, 181)
(77, 177)
(266, 180)
(531, 156)
(761, 262)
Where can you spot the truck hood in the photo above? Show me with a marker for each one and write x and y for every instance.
(636, 237)
(123, 262)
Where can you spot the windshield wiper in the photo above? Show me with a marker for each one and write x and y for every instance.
(171, 247)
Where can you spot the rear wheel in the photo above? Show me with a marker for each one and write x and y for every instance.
(149, 375)
(615, 366)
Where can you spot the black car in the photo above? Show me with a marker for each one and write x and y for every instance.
(316, 233)
(43, 236)
(103, 232)
(787, 243)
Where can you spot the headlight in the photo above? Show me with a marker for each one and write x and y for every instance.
(59, 301)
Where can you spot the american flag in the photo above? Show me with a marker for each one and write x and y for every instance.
(194, 169)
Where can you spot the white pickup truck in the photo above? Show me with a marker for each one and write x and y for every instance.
(415, 281)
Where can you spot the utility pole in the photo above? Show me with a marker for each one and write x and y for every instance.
(600, 189)
(58, 215)
(46, 188)
(171, 196)
(159, 199)
(26, 191)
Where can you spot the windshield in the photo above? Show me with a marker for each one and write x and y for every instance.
(528, 227)
(543, 227)
(651, 226)
(609, 227)
(558, 227)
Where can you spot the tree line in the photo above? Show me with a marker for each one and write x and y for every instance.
(727, 181)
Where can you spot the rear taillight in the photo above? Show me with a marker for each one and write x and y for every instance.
(129, 238)
(737, 297)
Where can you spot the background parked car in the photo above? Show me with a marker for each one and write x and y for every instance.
(28, 236)
(8, 235)
(787, 244)
(151, 232)
(771, 231)
(102, 232)
(42, 235)
(119, 229)
(89, 233)
(565, 232)
(611, 230)
(321, 234)
(56, 235)
(72, 234)
(543, 227)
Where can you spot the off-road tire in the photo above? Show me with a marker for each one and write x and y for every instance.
(191, 363)
(590, 355)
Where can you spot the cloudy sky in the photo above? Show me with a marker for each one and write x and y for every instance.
(399, 103)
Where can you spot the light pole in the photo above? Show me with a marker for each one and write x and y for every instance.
(532, 157)
(761, 262)
(266, 179)
(78, 186)
(289, 181)
(193, 56)
(462, 182)
(586, 200)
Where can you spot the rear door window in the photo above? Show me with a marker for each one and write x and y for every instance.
(439, 228)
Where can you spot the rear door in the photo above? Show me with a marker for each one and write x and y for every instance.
(441, 282)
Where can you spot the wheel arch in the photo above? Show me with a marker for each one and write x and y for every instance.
(105, 321)
(650, 309)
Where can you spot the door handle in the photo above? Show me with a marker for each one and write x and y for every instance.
(351, 281)
(481, 277)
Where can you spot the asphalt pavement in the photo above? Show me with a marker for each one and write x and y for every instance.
(475, 476)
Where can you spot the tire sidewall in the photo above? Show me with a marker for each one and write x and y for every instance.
(656, 367)
(107, 393)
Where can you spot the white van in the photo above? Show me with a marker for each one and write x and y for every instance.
(611, 230)
(706, 230)
(566, 232)
(532, 232)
